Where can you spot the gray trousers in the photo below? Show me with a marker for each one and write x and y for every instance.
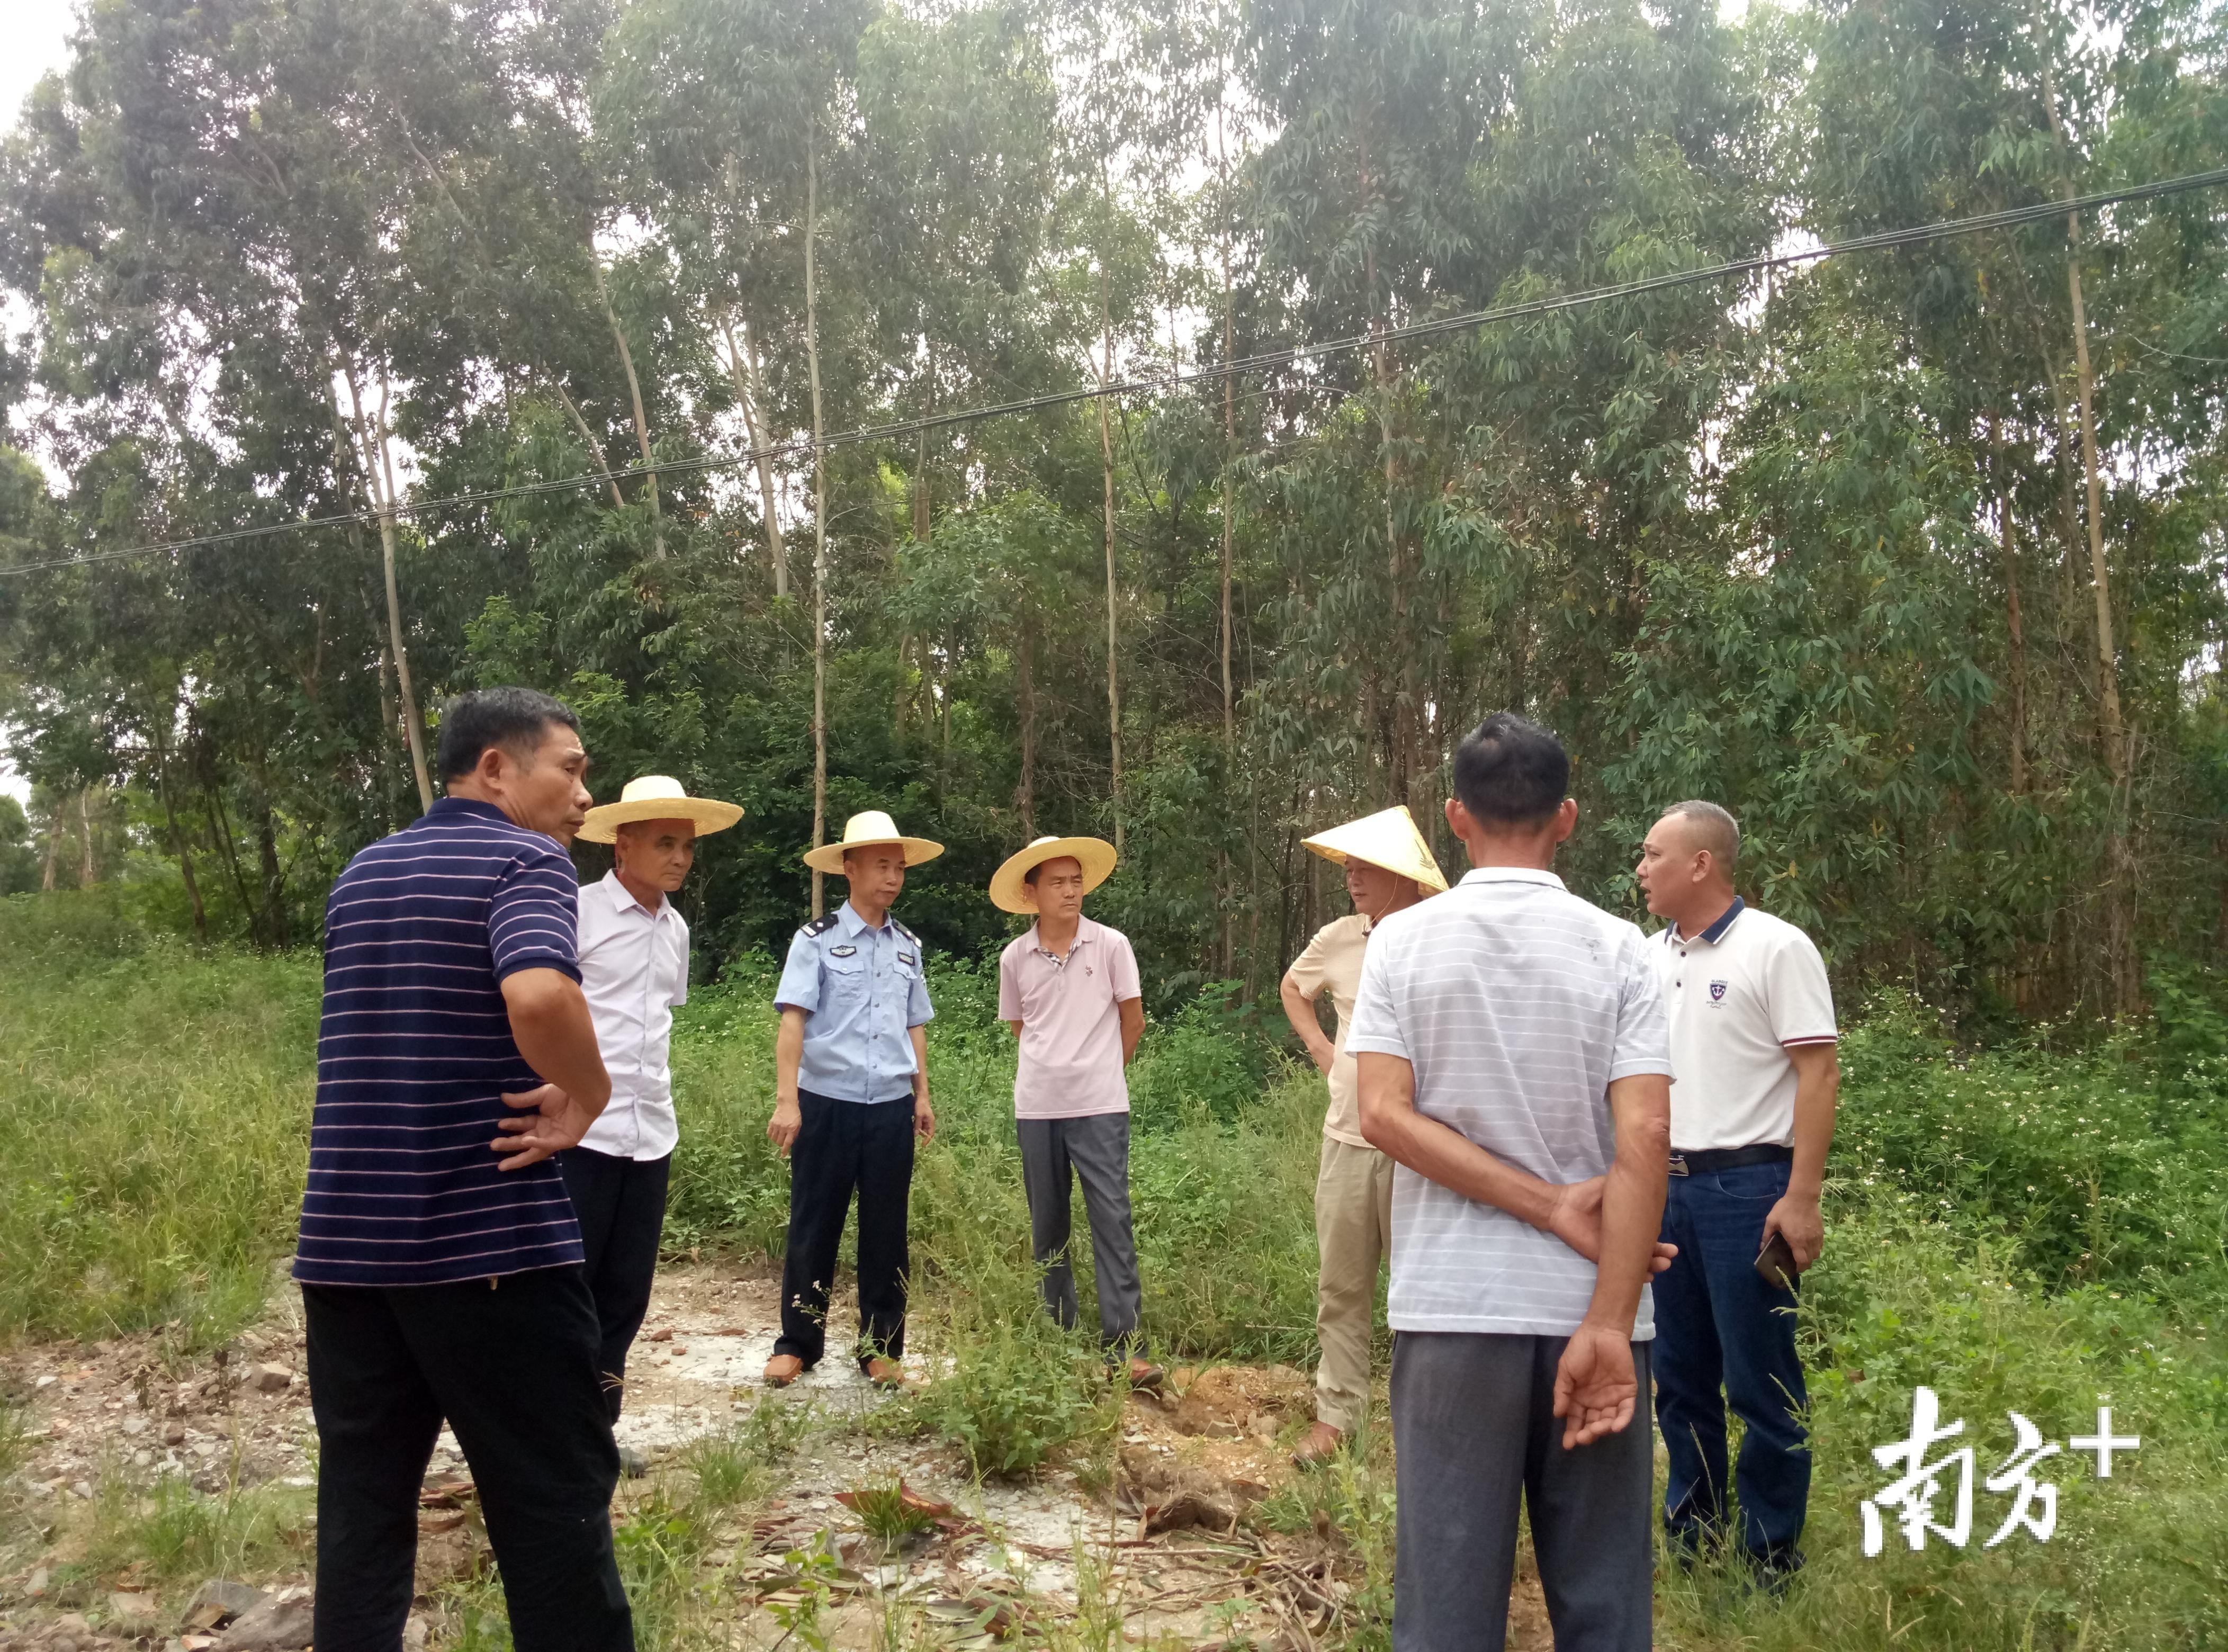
(1474, 1433)
(1096, 1149)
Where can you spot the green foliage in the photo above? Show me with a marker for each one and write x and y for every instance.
(2099, 1168)
(889, 1517)
(1354, 1497)
(19, 862)
(2020, 1228)
(1816, 546)
(1016, 1389)
(733, 1467)
(179, 1533)
(156, 1135)
(2136, 1561)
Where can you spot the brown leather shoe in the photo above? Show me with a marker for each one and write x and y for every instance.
(1146, 1377)
(1323, 1442)
(783, 1369)
(885, 1373)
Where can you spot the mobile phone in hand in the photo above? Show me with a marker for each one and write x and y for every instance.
(1776, 1262)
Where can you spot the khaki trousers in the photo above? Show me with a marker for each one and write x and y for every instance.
(1353, 1233)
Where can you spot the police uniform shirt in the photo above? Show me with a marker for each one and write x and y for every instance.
(862, 991)
(1742, 993)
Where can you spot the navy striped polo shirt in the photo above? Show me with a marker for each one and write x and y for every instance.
(414, 1051)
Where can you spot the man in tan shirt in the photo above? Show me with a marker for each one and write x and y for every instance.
(1388, 866)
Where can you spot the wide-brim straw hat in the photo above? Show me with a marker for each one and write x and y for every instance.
(1388, 838)
(657, 797)
(1009, 891)
(864, 830)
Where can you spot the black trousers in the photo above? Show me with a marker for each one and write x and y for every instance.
(843, 1147)
(621, 1205)
(513, 1369)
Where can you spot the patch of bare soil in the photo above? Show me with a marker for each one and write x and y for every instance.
(1168, 1545)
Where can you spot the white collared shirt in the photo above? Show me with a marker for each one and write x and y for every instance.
(1741, 994)
(634, 970)
(1517, 1004)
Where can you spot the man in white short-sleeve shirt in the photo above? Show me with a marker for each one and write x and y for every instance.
(634, 971)
(1753, 1043)
(1515, 1062)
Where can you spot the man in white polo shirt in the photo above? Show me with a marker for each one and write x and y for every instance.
(1516, 1064)
(1068, 988)
(1753, 1044)
(634, 970)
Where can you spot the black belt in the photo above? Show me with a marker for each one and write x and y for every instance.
(1729, 1158)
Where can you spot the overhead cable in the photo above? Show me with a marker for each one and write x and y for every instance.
(1212, 373)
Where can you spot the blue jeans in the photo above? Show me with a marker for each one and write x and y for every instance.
(1719, 1324)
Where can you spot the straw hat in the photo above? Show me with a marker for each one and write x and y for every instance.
(657, 797)
(1009, 893)
(1388, 838)
(870, 827)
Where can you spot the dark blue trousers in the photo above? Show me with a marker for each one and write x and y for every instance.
(1719, 1326)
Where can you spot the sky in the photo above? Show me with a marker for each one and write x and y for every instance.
(36, 31)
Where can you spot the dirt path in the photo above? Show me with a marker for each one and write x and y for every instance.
(1170, 1550)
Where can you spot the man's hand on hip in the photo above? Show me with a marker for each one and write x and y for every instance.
(550, 1121)
(1577, 1221)
(1798, 1220)
(1596, 1386)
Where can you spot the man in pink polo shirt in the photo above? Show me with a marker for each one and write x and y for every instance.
(1069, 989)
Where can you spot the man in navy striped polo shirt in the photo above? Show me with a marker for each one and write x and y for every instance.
(439, 1259)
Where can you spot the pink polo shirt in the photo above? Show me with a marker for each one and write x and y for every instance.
(1071, 1027)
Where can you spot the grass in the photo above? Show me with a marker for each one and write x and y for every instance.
(2040, 1226)
(155, 1133)
(887, 1516)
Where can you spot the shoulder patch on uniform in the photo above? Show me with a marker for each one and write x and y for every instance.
(819, 925)
(903, 930)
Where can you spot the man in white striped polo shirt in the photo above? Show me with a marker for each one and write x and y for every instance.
(439, 1259)
(1515, 1062)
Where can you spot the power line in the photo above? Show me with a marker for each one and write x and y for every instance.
(1881, 240)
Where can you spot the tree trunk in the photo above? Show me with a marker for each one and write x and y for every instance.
(178, 844)
(1113, 633)
(588, 440)
(379, 484)
(86, 876)
(274, 880)
(923, 493)
(634, 390)
(1025, 663)
(2120, 872)
(54, 848)
(749, 391)
(1229, 514)
(819, 513)
(2015, 626)
(221, 829)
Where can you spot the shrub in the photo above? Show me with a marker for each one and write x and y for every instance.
(1015, 1392)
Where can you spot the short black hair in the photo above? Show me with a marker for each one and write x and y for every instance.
(517, 720)
(1510, 771)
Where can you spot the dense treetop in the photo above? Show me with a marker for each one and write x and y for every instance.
(1913, 558)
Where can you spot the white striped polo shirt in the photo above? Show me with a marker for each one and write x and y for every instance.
(1516, 1003)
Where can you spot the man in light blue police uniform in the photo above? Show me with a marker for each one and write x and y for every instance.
(851, 1093)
